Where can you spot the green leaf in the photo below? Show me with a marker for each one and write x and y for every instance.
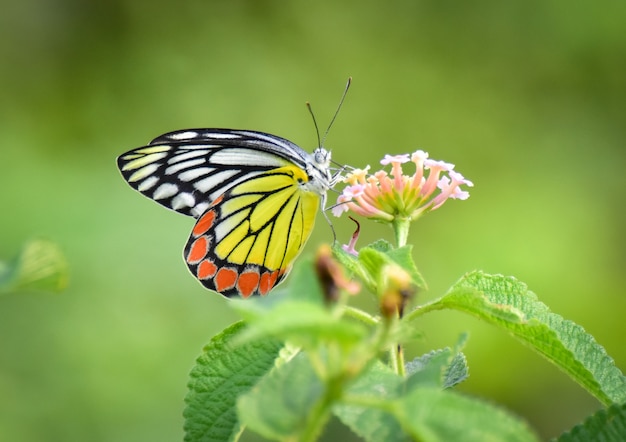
(442, 368)
(304, 284)
(222, 373)
(457, 371)
(301, 323)
(40, 265)
(298, 314)
(608, 425)
(429, 370)
(374, 261)
(378, 384)
(355, 266)
(381, 245)
(508, 304)
(286, 404)
(430, 414)
(370, 265)
(403, 256)
(381, 406)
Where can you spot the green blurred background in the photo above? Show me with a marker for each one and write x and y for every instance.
(528, 99)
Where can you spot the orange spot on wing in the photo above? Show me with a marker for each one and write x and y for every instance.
(268, 281)
(204, 223)
(206, 269)
(248, 282)
(275, 276)
(198, 250)
(217, 200)
(264, 284)
(225, 279)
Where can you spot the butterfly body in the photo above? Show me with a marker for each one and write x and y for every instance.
(254, 195)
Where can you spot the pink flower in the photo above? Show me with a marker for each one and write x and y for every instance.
(350, 247)
(388, 196)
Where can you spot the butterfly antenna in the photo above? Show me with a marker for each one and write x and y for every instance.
(343, 97)
(317, 131)
(320, 141)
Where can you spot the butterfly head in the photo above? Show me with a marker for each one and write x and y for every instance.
(321, 157)
(318, 170)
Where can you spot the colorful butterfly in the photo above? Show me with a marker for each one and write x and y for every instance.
(254, 195)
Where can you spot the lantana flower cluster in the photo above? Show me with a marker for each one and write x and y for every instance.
(391, 196)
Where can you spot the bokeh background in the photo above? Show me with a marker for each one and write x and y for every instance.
(527, 98)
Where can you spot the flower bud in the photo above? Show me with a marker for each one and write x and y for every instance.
(398, 291)
(330, 276)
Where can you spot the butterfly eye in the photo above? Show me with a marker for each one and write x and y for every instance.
(321, 156)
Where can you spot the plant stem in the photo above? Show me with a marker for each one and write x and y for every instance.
(399, 355)
(320, 413)
(360, 315)
(315, 422)
(422, 309)
(366, 402)
(401, 230)
(396, 358)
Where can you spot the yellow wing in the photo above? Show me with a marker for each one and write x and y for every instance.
(245, 243)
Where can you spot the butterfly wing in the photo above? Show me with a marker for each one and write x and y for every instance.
(255, 196)
(186, 170)
(245, 242)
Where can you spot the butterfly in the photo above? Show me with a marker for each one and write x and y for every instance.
(254, 197)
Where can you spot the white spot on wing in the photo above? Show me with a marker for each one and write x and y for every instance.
(165, 190)
(249, 157)
(201, 146)
(209, 183)
(184, 165)
(144, 160)
(192, 174)
(153, 149)
(183, 135)
(143, 172)
(222, 135)
(199, 209)
(186, 156)
(147, 183)
(183, 200)
(225, 226)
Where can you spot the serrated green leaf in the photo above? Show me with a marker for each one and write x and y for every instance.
(508, 304)
(439, 368)
(442, 368)
(434, 415)
(607, 425)
(380, 408)
(379, 384)
(428, 370)
(40, 265)
(223, 372)
(283, 404)
(457, 371)
(381, 245)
